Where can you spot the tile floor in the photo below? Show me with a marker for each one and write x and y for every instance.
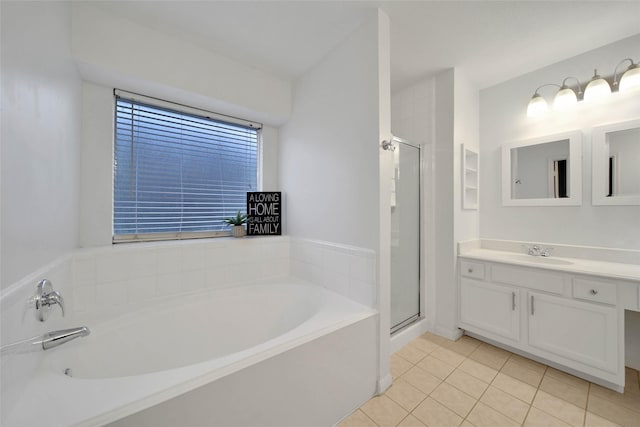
(438, 382)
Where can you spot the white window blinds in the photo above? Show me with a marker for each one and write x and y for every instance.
(178, 174)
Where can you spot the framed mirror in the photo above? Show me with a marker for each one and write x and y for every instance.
(545, 171)
(616, 164)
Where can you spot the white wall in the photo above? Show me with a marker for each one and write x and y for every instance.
(329, 147)
(116, 52)
(444, 261)
(503, 119)
(332, 167)
(466, 124)
(40, 137)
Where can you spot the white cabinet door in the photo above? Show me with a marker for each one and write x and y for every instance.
(490, 307)
(584, 332)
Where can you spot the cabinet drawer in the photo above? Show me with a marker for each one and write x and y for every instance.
(529, 278)
(594, 290)
(474, 270)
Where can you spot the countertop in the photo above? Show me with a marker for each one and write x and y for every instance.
(613, 270)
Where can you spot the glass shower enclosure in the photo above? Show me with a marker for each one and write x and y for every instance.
(405, 234)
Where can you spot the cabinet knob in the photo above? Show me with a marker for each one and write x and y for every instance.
(594, 292)
(470, 270)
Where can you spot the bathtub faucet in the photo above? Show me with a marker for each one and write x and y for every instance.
(55, 338)
(44, 342)
(45, 298)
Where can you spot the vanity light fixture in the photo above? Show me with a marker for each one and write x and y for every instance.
(596, 88)
(624, 80)
(630, 78)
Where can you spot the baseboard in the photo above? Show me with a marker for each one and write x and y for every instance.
(452, 334)
(383, 384)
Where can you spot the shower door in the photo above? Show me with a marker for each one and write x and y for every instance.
(405, 235)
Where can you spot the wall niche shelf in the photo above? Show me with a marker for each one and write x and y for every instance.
(470, 178)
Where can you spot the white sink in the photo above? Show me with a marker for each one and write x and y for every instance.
(537, 259)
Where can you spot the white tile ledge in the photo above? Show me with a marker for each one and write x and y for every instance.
(579, 265)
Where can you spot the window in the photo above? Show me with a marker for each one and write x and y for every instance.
(178, 171)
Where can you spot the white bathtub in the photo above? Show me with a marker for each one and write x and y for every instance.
(285, 353)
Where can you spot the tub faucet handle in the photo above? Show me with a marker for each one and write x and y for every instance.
(45, 298)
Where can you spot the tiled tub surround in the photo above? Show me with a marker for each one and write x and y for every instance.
(102, 283)
(568, 310)
(438, 382)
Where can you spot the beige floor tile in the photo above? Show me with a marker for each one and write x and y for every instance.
(463, 346)
(454, 399)
(446, 355)
(592, 420)
(570, 414)
(484, 416)
(632, 381)
(538, 418)
(421, 379)
(425, 345)
(399, 365)
(612, 412)
(520, 372)
(411, 421)
(568, 379)
(628, 400)
(514, 387)
(436, 367)
(478, 370)
(467, 383)
(433, 414)
(564, 391)
(437, 339)
(505, 403)
(491, 356)
(357, 419)
(405, 395)
(411, 353)
(466, 424)
(384, 411)
(528, 363)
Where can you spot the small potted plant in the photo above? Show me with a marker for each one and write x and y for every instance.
(237, 223)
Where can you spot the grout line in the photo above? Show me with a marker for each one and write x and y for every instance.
(586, 406)
(366, 415)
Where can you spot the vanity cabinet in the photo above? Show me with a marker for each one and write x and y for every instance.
(576, 330)
(490, 307)
(568, 320)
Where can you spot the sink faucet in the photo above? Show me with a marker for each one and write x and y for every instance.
(546, 252)
(536, 250)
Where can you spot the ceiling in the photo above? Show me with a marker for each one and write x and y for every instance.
(492, 40)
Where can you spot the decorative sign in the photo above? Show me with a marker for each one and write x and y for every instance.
(264, 213)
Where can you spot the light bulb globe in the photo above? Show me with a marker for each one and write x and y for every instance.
(565, 99)
(597, 88)
(630, 79)
(537, 106)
